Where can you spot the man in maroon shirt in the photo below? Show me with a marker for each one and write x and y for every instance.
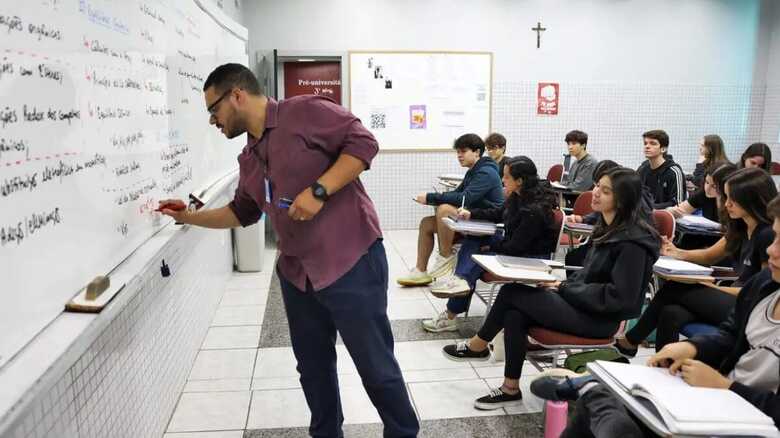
(301, 167)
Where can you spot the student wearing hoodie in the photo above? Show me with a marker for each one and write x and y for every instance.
(659, 173)
(481, 188)
(743, 357)
(590, 303)
(530, 231)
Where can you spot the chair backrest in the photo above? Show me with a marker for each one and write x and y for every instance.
(582, 204)
(555, 173)
(664, 223)
(558, 218)
(775, 169)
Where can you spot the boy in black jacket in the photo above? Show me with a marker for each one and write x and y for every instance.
(659, 173)
(743, 356)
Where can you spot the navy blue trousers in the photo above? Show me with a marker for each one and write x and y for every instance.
(356, 306)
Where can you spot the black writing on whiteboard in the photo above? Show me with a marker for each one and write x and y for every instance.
(128, 140)
(133, 194)
(11, 23)
(16, 232)
(127, 168)
(154, 62)
(10, 145)
(178, 180)
(44, 31)
(152, 13)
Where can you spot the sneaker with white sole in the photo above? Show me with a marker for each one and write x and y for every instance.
(498, 399)
(415, 277)
(443, 266)
(453, 286)
(440, 323)
(461, 352)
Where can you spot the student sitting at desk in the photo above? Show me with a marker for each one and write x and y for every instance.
(745, 195)
(743, 356)
(528, 219)
(495, 146)
(591, 303)
(711, 151)
(480, 188)
(705, 198)
(659, 173)
(580, 176)
(757, 155)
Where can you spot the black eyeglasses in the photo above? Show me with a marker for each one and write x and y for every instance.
(211, 109)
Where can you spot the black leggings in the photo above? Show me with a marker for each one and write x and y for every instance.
(676, 305)
(519, 307)
(601, 414)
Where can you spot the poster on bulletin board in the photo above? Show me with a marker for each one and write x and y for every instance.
(547, 98)
(421, 100)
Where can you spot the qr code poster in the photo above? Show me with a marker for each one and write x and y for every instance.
(547, 98)
(378, 120)
(418, 117)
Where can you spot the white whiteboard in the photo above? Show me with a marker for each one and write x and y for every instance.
(102, 114)
(421, 100)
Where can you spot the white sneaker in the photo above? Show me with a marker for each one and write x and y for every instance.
(441, 281)
(443, 266)
(440, 324)
(415, 277)
(453, 286)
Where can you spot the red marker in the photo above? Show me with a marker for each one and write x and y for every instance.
(171, 206)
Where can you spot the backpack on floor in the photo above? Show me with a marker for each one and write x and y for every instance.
(577, 361)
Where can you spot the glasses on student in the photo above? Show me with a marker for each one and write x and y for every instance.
(212, 109)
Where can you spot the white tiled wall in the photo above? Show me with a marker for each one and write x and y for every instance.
(614, 114)
(127, 381)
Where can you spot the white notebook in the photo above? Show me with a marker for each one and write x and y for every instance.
(478, 228)
(672, 266)
(689, 410)
(700, 222)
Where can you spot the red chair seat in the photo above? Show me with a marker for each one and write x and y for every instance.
(566, 240)
(549, 337)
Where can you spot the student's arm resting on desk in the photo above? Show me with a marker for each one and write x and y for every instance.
(681, 209)
(617, 295)
(705, 256)
(479, 185)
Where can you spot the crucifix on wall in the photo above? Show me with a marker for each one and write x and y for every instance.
(538, 29)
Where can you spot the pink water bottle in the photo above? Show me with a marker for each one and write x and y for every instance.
(555, 415)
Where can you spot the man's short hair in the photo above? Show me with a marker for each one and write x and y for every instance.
(577, 137)
(659, 135)
(227, 76)
(470, 141)
(495, 140)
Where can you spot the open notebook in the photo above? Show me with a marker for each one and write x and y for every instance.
(698, 222)
(684, 409)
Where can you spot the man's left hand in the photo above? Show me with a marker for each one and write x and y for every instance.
(697, 373)
(305, 206)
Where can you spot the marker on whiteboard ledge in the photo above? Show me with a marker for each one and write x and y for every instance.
(97, 286)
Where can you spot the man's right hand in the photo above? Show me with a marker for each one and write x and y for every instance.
(180, 215)
(672, 356)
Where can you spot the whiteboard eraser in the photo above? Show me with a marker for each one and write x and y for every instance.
(97, 287)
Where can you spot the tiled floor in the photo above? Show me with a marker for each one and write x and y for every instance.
(244, 382)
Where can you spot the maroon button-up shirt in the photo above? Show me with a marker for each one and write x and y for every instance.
(303, 138)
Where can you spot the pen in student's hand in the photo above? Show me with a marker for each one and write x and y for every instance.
(463, 203)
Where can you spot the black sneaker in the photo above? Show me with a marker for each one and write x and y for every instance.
(460, 352)
(628, 353)
(498, 399)
(559, 388)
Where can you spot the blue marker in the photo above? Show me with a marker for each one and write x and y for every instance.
(284, 203)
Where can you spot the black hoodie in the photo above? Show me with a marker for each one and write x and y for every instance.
(615, 276)
(666, 184)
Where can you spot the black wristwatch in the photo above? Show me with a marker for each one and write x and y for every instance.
(319, 191)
